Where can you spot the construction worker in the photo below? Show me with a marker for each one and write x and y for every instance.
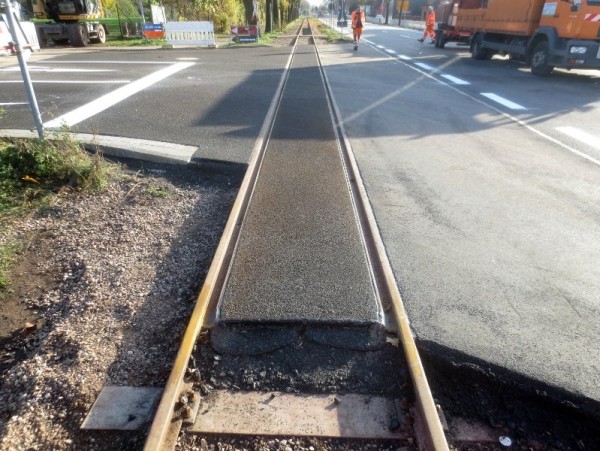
(358, 22)
(429, 25)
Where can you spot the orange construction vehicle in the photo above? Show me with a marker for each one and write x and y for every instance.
(544, 33)
(445, 28)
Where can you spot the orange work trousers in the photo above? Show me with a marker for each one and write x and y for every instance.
(357, 33)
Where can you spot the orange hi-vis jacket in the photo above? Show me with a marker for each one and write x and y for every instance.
(355, 22)
(430, 20)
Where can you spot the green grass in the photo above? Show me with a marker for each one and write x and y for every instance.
(7, 254)
(132, 42)
(33, 170)
(331, 34)
(157, 192)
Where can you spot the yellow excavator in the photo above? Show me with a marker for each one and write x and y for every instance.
(68, 21)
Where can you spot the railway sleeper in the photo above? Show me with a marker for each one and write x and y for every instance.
(320, 381)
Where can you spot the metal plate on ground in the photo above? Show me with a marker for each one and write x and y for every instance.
(123, 408)
(276, 413)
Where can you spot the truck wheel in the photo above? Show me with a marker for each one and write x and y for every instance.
(42, 38)
(101, 38)
(78, 35)
(440, 41)
(477, 50)
(539, 60)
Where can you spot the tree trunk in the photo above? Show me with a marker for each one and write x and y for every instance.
(249, 8)
(277, 14)
(268, 17)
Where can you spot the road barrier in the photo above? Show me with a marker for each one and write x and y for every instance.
(27, 36)
(190, 33)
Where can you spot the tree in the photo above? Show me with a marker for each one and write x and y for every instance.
(120, 8)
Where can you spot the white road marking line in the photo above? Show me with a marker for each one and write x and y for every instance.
(390, 51)
(502, 101)
(424, 66)
(72, 82)
(13, 103)
(187, 59)
(48, 69)
(380, 46)
(580, 135)
(106, 101)
(404, 57)
(406, 36)
(455, 80)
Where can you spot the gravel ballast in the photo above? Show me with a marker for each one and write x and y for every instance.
(109, 281)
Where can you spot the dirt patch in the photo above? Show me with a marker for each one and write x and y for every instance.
(30, 278)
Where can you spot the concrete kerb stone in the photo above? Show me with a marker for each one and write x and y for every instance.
(140, 149)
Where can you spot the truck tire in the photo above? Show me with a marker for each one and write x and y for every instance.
(41, 35)
(477, 50)
(539, 60)
(101, 38)
(440, 40)
(78, 35)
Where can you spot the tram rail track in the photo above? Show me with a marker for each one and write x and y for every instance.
(181, 401)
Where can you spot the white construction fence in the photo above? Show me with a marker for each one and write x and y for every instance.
(190, 33)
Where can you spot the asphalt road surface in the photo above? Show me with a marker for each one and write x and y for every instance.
(484, 179)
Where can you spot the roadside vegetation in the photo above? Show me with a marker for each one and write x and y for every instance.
(32, 172)
(330, 34)
(222, 13)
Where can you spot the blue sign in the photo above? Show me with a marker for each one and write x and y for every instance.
(153, 27)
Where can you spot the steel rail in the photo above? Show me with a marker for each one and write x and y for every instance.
(164, 425)
(385, 279)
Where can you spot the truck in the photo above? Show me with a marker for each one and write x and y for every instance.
(68, 21)
(543, 33)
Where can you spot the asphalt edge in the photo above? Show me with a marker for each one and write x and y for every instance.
(442, 358)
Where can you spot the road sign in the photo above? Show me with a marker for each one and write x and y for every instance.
(244, 33)
(402, 5)
(153, 30)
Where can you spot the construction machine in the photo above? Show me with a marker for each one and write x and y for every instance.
(73, 21)
(544, 33)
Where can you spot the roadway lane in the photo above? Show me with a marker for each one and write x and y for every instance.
(557, 106)
(491, 227)
(217, 103)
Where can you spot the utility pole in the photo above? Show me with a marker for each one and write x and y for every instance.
(12, 26)
(400, 13)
